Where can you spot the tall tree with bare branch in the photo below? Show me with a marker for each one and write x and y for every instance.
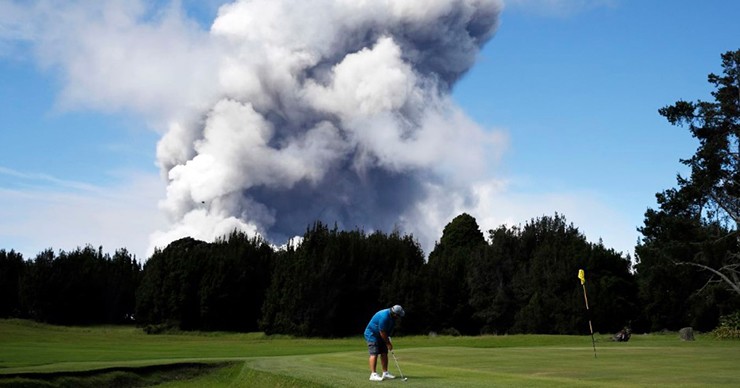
(696, 225)
(715, 168)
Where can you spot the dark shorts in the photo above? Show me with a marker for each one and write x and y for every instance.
(375, 348)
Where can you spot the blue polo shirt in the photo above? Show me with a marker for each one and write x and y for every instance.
(382, 320)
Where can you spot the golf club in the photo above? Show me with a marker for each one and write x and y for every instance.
(399, 368)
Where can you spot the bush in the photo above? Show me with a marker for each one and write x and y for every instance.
(729, 326)
(451, 331)
(161, 328)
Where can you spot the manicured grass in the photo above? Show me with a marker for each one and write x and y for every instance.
(248, 360)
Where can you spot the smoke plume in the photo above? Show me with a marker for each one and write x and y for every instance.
(283, 112)
(331, 110)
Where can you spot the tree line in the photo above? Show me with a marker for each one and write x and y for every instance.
(520, 279)
(84, 286)
(514, 279)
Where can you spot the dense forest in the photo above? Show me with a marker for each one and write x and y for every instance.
(513, 279)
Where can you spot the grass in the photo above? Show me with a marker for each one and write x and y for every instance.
(116, 376)
(40, 354)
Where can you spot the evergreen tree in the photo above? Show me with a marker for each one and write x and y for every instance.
(36, 293)
(691, 240)
(84, 286)
(122, 278)
(12, 268)
(448, 290)
(234, 283)
(490, 280)
(545, 283)
(525, 282)
(333, 282)
(169, 290)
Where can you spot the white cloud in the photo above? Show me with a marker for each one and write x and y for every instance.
(118, 55)
(42, 212)
(589, 211)
(497, 202)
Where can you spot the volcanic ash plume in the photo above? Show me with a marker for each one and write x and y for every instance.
(331, 110)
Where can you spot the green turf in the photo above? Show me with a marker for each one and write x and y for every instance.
(248, 360)
(119, 376)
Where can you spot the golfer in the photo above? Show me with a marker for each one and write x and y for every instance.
(377, 335)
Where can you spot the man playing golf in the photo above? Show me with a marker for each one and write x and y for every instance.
(377, 335)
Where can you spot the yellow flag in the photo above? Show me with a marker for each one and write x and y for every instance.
(582, 276)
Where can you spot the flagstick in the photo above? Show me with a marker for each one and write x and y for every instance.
(589, 319)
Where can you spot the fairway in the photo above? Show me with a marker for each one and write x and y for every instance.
(248, 360)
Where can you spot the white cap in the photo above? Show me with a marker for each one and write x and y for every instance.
(398, 310)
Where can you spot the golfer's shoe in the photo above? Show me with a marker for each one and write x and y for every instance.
(387, 376)
(375, 377)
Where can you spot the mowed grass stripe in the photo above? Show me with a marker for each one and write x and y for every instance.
(26, 346)
(504, 361)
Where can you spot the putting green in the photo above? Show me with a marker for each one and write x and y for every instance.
(623, 366)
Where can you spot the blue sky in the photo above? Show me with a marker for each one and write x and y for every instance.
(578, 90)
(573, 86)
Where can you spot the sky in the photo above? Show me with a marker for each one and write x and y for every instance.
(566, 92)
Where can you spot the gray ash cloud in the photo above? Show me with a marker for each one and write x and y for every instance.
(337, 111)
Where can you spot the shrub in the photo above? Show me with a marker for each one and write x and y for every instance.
(729, 326)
